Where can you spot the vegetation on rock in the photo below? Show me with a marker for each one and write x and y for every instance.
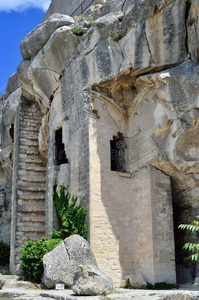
(78, 31)
(71, 215)
(79, 18)
(2, 96)
(115, 35)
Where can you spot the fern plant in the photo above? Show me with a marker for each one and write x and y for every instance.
(191, 247)
(71, 215)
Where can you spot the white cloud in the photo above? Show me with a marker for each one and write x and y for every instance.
(21, 5)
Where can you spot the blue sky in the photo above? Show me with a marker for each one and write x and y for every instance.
(17, 18)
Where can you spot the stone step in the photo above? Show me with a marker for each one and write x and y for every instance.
(32, 167)
(28, 160)
(28, 152)
(23, 131)
(27, 208)
(32, 218)
(29, 196)
(30, 117)
(31, 202)
(25, 112)
(29, 128)
(24, 172)
(27, 226)
(33, 179)
(21, 238)
(27, 149)
(27, 125)
(29, 230)
(27, 136)
(26, 142)
(28, 188)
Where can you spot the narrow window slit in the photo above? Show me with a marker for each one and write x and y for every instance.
(59, 148)
(118, 146)
(11, 132)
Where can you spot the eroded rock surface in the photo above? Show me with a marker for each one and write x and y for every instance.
(2, 281)
(60, 264)
(90, 281)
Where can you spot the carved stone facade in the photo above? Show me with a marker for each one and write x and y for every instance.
(118, 122)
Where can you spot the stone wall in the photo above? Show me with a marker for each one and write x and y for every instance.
(70, 7)
(129, 213)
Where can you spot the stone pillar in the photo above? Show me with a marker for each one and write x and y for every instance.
(162, 227)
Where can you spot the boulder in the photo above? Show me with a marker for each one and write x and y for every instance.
(36, 39)
(90, 281)
(2, 281)
(60, 264)
(12, 85)
(136, 280)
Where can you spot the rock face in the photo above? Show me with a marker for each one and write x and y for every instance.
(2, 281)
(12, 85)
(90, 281)
(60, 264)
(35, 40)
(123, 97)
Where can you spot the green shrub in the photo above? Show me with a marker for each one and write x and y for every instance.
(4, 253)
(32, 256)
(78, 31)
(71, 215)
(161, 286)
(191, 247)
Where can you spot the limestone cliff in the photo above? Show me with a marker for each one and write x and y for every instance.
(143, 88)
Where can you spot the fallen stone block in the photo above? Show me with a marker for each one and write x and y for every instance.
(60, 264)
(90, 281)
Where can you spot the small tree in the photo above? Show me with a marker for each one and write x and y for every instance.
(191, 247)
(71, 215)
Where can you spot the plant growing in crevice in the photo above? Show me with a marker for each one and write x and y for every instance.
(191, 247)
(188, 3)
(71, 215)
(78, 31)
(115, 35)
(2, 97)
(79, 18)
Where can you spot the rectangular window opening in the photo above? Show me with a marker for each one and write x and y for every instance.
(118, 146)
(59, 148)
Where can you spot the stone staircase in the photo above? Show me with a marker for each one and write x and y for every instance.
(31, 178)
